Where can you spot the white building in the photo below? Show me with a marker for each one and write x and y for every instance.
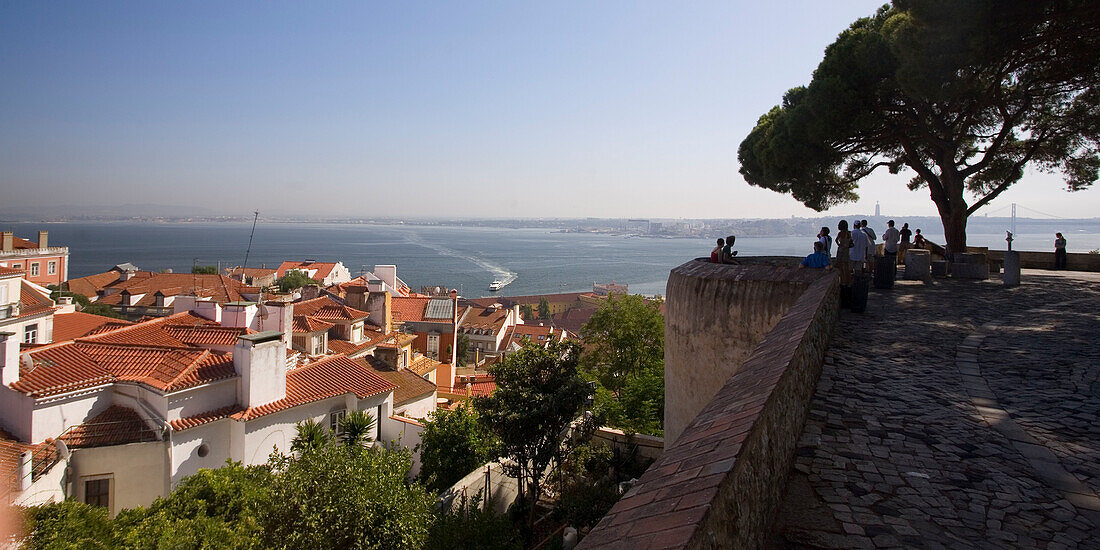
(119, 417)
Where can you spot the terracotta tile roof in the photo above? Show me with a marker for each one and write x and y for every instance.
(415, 308)
(218, 288)
(538, 334)
(11, 456)
(573, 319)
(154, 331)
(327, 309)
(115, 426)
(422, 364)
(509, 301)
(321, 269)
(82, 364)
(377, 339)
(492, 319)
(330, 377)
(251, 271)
(10, 272)
(91, 285)
(206, 335)
(304, 324)
(21, 243)
(33, 300)
(188, 422)
(69, 326)
(410, 386)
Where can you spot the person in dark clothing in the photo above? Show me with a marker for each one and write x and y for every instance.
(716, 254)
(1059, 251)
(727, 251)
(906, 234)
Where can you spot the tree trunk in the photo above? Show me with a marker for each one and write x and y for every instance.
(954, 230)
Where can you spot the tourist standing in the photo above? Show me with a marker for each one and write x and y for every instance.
(843, 246)
(727, 251)
(860, 248)
(890, 239)
(903, 247)
(1059, 251)
(872, 250)
(826, 240)
(716, 254)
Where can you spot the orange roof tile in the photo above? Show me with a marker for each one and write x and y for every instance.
(304, 324)
(409, 385)
(322, 268)
(69, 326)
(8, 271)
(327, 309)
(329, 377)
(206, 335)
(218, 288)
(486, 318)
(33, 302)
(422, 364)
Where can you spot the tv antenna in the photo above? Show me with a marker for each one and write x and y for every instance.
(250, 235)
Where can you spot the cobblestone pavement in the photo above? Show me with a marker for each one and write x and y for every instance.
(958, 414)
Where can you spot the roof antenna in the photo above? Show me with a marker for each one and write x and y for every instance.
(249, 251)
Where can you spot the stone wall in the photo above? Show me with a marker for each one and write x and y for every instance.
(719, 484)
(645, 447)
(1075, 261)
(715, 315)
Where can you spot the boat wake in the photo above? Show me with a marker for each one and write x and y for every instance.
(499, 273)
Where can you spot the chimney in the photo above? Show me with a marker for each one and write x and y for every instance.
(380, 307)
(9, 241)
(183, 303)
(277, 316)
(9, 358)
(260, 361)
(310, 292)
(388, 274)
(454, 329)
(238, 314)
(66, 303)
(208, 310)
(43, 239)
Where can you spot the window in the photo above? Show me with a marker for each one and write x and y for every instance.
(51, 268)
(16, 266)
(97, 492)
(319, 344)
(34, 269)
(433, 346)
(334, 419)
(30, 334)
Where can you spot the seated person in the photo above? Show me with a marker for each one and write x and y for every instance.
(727, 251)
(716, 254)
(918, 240)
(818, 259)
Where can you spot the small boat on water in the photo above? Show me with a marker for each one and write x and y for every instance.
(496, 285)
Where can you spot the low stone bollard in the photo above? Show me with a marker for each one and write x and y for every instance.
(939, 268)
(917, 264)
(1012, 268)
(970, 266)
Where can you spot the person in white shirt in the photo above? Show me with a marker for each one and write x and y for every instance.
(860, 248)
(890, 239)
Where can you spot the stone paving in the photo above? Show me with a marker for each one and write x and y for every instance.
(957, 414)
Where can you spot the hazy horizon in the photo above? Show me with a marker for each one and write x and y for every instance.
(571, 110)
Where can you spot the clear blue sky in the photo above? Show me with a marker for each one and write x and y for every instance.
(416, 108)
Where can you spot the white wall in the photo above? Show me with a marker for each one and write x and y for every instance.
(52, 416)
(16, 412)
(405, 433)
(185, 459)
(47, 488)
(138, 472)
(202, 399)
(418, 408)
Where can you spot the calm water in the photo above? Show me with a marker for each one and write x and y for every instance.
(468, 258)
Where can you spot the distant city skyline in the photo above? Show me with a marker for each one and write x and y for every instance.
(466, 110)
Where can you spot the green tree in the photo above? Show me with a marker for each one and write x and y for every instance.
(539, 393)
(204, 269)
(294, 279)
(103, 310)
(356, 427)
(462, 348)
(966, 95)
(527, 312)
(78, 299)
(69, 524)
(465, 525)
(339, 497)
(452, 445)
(311, 435)
(544, 308)
(625, 354)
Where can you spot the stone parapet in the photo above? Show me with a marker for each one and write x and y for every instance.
(1029, 259)
(718, 485)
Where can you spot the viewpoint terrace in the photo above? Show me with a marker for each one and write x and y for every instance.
(952, 414)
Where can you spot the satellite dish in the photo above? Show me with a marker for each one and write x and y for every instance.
(62, 449)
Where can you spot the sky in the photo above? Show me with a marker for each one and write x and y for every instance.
(472, 109)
